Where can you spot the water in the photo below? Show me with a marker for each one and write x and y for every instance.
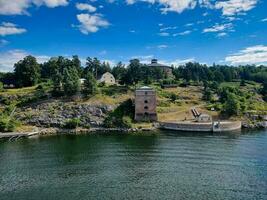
(154, 166)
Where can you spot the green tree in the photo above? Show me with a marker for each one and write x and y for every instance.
(27, 72)
(71, 81)
(1, 86)
(207, 95)
(93, 66)
(90, 85)
(232, 105)
(77, 64)
(119, 71)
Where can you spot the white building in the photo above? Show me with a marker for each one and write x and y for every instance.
(107, 78)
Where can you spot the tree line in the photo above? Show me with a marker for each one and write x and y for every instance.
(66, 72)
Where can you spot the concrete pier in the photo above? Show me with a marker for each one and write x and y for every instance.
(215, 126)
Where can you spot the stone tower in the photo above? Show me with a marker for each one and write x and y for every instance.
(145, 104)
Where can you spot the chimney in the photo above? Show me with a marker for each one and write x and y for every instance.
(154, 61)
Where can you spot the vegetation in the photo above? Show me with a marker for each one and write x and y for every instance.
(27, 72)
(122, 116)
(72, 123)
(231, 91)
(8, 123)
(90, 85)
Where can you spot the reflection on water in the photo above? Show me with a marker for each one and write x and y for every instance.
(149, 166)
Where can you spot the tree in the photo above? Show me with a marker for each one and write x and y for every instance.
(77, 64)
(27, 72)
(90, 85)
(49, 68)
(1, 86)
(119, 71)
(207, 95)
(71, 81)
(93, 66)
(232, 105)
(242, 83)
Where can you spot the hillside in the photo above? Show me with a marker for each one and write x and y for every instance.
(35, 106)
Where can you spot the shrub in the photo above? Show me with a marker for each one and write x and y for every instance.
(72, 123)
(122, 116)
(8, 124)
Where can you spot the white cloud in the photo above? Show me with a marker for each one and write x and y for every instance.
(85, 6)
(8, 59)
(51, 3)
(189, 24)
(91, 23)
(19, 7)
(104, 52)
(146, 59)
(7, 28)
(223, 34)
(250, 55)
(264, 20)
(168, 28)
(233, 7)
(178, 62)
(162, 46)
(3, 42)
(170, 5)
(182, 33)
(219, 28)
(164, 34)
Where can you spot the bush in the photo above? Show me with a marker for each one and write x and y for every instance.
(122, 116)
(72, 123)
(7, 124)
(1, 86)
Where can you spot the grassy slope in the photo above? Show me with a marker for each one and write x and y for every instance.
(168, 110)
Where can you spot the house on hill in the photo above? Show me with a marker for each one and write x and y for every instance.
(107, 78)
(166, 69)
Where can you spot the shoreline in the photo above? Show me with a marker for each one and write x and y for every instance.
(38, 131)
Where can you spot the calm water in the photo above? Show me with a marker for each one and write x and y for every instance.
(159, 166)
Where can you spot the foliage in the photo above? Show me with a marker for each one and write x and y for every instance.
(8, 123)
(232, 105)
(71, 81)
(72, 123)
(27, 72)
(1, 86)
(90, 85)
(122, 116)
(97, 68)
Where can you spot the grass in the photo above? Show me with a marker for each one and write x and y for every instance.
(15, 91)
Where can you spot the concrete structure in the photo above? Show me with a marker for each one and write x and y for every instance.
(166, 69)
(145, 104)
(204, 118)
(224, 126)
(107, 78)
(82, 80)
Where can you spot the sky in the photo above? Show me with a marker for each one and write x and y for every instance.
(230, 32)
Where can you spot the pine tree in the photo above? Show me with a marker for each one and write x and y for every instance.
(71, 81)
(90, 85)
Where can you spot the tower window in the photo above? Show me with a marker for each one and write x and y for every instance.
(145, 107)
(146, 101)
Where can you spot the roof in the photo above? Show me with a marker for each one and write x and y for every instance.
(106, 73)
(144, 88)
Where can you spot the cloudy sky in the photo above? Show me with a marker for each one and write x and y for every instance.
(174, 31)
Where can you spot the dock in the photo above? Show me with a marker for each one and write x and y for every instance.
(17, 135)
(213, 126)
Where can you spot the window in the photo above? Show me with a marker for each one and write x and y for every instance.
(145, 93)
(145, 107)
(146, 101)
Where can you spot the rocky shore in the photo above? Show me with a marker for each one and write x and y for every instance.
(55, 114)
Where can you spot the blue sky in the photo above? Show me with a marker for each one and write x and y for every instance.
(174, 31)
